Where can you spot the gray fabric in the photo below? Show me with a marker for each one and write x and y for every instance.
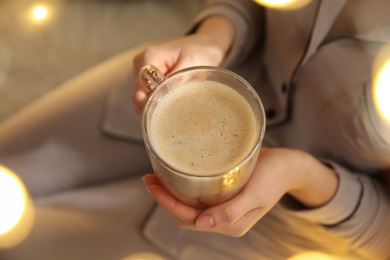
(57, 143)
(246, 17)
(90, 202)
(84, 134)
(278, 236)
(101, 222)
(327, 13)
(120, 119)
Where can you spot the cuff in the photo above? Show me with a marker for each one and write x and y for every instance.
(246, 32)
(342, 206)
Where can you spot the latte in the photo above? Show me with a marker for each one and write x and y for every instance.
(203, 128)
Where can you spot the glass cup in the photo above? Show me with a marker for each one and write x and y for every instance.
(196, 189)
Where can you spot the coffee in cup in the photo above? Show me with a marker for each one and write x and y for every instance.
(203, 129)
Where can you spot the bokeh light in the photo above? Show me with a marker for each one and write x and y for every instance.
(12, 200)
(382, 90)
(16, 210)
(284, 4)
(40, 12)
(313, 255)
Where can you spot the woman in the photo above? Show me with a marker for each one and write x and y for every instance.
(310, 68)
(315, 186)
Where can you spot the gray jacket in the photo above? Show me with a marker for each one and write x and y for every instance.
(313, 71)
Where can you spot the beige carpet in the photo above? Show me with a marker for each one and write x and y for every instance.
(35, 57)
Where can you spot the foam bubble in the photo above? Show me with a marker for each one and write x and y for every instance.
(203, 128)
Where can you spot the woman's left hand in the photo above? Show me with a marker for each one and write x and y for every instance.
(278, 172)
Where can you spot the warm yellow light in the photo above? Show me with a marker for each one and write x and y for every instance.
(16, 211)
(39, 13)
(230, 177)
(312, 256)
(382, 90)
(284, 4)
(12, 200)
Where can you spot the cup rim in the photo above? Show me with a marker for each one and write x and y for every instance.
(259, 103)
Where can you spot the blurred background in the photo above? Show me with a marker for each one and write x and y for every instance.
(45, 43)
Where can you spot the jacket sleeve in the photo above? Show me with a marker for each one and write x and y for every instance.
(246, 16)
(359, 212)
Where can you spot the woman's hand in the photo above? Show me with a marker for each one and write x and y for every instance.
(278, 172)
(207, 46)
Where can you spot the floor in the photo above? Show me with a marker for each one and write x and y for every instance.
(38, 55)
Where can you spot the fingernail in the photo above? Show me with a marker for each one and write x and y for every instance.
(146, 181)
(205, 222)
(140, 96)
(150, 193)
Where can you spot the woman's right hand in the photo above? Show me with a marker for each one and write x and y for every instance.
(207, 46)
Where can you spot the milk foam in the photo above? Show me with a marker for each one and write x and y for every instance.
(203, 128)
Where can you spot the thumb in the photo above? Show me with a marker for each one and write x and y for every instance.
(230, 219)
(224, 214)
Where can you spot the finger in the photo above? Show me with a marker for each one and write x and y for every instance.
(139, 94)
(139, 99)
(241, 226)
(228, 213)
(179, 210)
(160, 56)
(230, 219)
(140, 91)
(187, 60)
(151, 179)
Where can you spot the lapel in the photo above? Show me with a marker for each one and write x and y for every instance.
(285, 56)
(327, 12)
